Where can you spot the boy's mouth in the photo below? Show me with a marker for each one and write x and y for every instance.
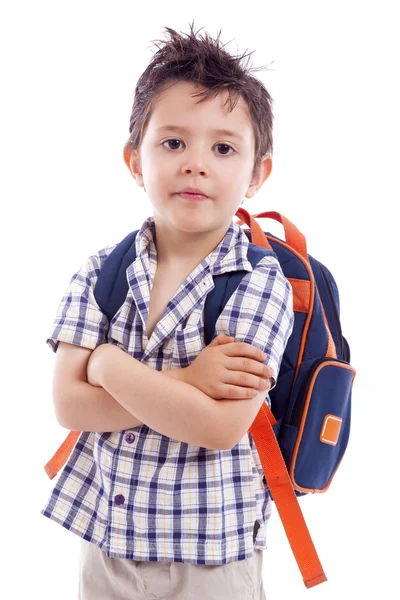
(189, 192)
(194, 196)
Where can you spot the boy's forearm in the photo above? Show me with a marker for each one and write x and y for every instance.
(169, 406)
(90, 408)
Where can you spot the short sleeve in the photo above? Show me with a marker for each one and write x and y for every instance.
(260, 312)
(78, 319)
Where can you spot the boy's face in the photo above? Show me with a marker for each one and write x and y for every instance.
(219, 164)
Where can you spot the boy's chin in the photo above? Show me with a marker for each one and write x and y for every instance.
(201, 223)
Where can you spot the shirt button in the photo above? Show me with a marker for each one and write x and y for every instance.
(129, 438)
(119, 499)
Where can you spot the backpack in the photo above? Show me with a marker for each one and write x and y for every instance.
(302, 439)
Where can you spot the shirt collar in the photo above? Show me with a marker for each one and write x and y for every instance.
(229, 255)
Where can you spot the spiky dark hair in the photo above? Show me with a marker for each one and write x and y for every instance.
(203, 61)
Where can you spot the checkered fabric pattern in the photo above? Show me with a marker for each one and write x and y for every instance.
(138, 494)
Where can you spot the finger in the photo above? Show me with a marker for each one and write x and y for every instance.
(254, 367)
(217, 338)
(252, 381)
(224, 339)
(243, 349)
(246, 379)
(235, 392)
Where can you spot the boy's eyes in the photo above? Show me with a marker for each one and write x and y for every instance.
(180, 141)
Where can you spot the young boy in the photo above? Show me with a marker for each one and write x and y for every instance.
(165, 485)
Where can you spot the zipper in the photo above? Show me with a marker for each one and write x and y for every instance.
(335, 310)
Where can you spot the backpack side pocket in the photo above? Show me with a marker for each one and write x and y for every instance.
(315, 439)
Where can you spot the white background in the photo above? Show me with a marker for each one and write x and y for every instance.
(67, 79)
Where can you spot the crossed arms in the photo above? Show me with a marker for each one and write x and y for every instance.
(108, 390)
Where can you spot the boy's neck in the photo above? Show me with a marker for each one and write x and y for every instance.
(184, 249)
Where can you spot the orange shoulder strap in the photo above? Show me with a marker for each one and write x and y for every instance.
(60, 457)
(285, 499)
(274, 467)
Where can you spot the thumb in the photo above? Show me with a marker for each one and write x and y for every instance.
(222, 339)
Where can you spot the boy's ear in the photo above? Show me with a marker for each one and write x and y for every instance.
(132, 161)
(262, 174)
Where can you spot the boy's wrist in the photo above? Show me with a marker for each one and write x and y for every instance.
(179, 374)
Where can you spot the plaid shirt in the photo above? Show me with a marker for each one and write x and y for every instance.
(138, 494)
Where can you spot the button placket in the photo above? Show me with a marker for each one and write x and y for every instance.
(120, 498)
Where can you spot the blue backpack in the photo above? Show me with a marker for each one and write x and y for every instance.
(302, 440)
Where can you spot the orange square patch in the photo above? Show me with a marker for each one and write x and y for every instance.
(330, 430)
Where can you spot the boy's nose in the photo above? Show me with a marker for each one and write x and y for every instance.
(195, 170)
(195, 163)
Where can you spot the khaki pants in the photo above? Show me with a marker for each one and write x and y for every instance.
(104, 578)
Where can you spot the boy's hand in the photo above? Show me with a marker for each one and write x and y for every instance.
(229, 369)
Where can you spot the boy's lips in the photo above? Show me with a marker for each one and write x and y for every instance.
(192, 190)
(192, 196)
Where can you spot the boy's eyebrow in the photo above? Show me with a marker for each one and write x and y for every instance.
(181, 129)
